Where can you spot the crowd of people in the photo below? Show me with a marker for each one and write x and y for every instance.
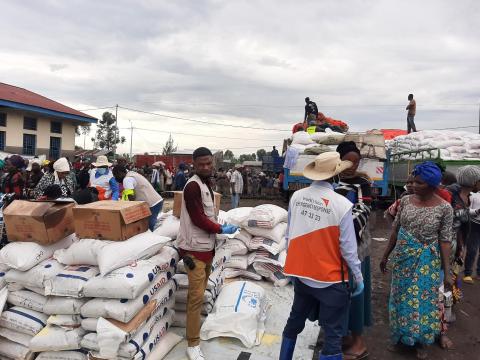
(431, 252)
(255, 184)
(434, 240)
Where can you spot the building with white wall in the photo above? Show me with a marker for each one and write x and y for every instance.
(31, 124)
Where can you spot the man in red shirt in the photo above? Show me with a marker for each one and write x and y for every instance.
(196, 241)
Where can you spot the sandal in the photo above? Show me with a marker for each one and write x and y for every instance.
(350, 356)
(446, 343)
(422, 353)
(395, 348)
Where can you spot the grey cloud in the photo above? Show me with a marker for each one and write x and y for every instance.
(250, 61)
(57, 67)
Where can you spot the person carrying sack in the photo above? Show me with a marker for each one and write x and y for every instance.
(321, 244)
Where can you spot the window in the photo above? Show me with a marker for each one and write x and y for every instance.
(29, 144)
(55, 147)
(2, 140)
(29, 123)
(3, 119)
(56, 127)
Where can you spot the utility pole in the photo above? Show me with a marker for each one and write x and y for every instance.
(479, 118)
(116, 132)
(131, 138)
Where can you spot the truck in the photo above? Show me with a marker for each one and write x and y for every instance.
(374, 162)
(400, 167)
(389, 176)
(272, 164)
(377, 170)
(171, 161)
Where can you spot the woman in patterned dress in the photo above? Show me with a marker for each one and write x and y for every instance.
(421, 237)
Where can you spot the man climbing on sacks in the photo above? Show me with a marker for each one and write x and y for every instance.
(321, 244)
(196, 241)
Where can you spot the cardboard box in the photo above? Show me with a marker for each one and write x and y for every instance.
(43, 222)
(178, 200)
(138, 320)
(111, 220)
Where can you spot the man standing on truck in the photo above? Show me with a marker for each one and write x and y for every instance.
(311, 112)
(274, 153)
(412, 109)
(196, 241)
(322, 246)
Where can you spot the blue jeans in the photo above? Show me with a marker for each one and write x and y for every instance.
(411, 124)
(155, 210)
(332, 303)
(235, 200)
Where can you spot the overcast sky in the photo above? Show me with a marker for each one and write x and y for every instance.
(248, 63)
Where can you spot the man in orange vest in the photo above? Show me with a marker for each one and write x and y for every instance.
(321, 244)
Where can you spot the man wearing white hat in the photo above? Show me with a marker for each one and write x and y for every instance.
(102, 179)
(321, 244)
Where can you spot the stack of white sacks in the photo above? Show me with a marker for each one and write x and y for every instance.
(27, 312)
(255, 252)
(169, 225)
(214, 286)
(431, 144)
(318, 142)
(259, 248)
(112, 299)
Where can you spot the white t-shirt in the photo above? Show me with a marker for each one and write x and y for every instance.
(237, 181)
(129, 183)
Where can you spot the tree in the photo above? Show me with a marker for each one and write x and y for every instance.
(228, 155)
(82, 130)
(169, 146)
(260, 154)
(247, 157)
(107, 136)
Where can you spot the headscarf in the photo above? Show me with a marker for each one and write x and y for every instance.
(468, 175)
(346, 147)
(17, 161)
(61, 165)
(428, 172)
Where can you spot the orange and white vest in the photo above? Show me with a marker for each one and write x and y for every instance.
(314, 234)
(102, 184)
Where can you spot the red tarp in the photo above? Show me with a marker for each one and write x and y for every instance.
(390, 134)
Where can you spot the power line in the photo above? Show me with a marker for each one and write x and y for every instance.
(201, 121)
(299, 105)
(99, 108)
(190, 134)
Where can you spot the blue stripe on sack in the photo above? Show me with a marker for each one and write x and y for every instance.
(240, 296)
(134, 343)
(68, 276)
(143, 354)
(31, 317)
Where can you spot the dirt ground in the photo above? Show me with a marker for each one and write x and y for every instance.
(464, 332)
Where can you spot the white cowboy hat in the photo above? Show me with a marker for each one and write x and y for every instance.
(325, 166)
(102, 160)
